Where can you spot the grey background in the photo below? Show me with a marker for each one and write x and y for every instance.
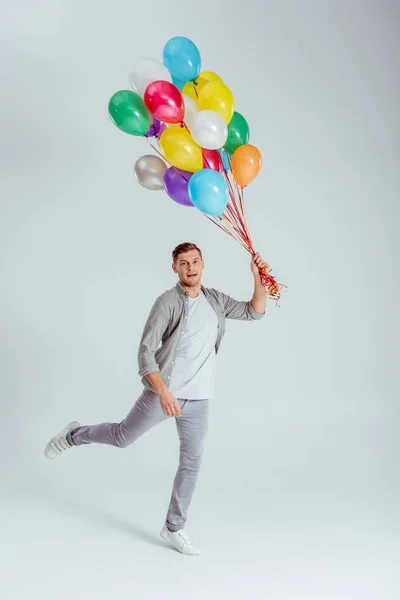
(298, 495)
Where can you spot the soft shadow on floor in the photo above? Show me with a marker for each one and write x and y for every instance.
(73, 507)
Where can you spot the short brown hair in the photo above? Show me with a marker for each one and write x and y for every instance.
(185, 247)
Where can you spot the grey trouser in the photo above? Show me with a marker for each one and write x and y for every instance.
(147, 412)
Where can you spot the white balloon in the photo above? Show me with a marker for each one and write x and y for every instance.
(209, 129)
(191, 109)
(145, 72)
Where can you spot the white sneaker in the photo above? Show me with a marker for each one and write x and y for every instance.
(59, 443)
(180, 540)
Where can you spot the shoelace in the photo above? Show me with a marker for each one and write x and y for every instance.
(187, 539)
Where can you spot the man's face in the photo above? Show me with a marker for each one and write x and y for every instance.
(189, 267)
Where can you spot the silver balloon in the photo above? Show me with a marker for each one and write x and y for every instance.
(149, 171)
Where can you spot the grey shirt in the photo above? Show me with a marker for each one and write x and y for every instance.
(167, 321)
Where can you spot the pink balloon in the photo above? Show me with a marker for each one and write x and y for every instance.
(164, 101)
(212, 160)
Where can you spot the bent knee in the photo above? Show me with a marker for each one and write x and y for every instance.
(121, 440)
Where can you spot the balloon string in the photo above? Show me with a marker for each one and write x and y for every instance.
(239, 195)
(240, 220)
(236, 234)
(219, 224)
(234, 226)
(241, 205)
(235, 223)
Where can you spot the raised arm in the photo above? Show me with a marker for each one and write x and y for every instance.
(259, 299)
(252, 310)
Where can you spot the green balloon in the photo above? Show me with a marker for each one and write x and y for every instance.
(128, 112)
(238, 133)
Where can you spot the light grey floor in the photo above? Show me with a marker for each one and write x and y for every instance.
(73, 529)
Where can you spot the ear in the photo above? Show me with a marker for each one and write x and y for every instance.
(174, 268)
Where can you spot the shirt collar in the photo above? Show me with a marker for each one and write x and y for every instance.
(182, 291)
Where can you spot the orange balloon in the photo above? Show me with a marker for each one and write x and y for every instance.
(246, 164)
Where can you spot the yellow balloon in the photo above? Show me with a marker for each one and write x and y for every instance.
(218, 97)
(180, 149)
(210, 76)
(193, 88)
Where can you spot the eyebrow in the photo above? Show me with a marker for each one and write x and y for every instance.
(183, 260)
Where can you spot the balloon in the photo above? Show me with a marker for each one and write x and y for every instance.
(128, 112)
(212, 160)
(190, 110)
(246, 164)
(210, 76)
(163, 127)
(154, 128)
(226, 160)
(164, 101)
(208, 192)
(178, 83)
(182, 58)
(238, 133)
(180, 150)
(209, 129)
(149, 171)
(176, 186)
(218, 97)
(193, 88)
(146, 71)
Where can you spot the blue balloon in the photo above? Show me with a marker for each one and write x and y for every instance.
(182, 58)
(226, 159)
(178, 83)
(208, 192)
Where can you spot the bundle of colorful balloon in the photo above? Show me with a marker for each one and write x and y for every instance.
(204, 158)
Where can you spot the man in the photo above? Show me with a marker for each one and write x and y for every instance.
(189, 322)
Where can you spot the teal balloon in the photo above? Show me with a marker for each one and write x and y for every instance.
(182, 58)
(226, 160)
(238, 133)
(208, 192)
(128, 112)
(178, 83)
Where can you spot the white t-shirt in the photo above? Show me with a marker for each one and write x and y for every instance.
(193, 374)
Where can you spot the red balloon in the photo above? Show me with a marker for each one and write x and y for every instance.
(164, 101)
(212, 160)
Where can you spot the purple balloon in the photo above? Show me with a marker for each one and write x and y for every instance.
(176, 185)
(161, 129)
(154, 128)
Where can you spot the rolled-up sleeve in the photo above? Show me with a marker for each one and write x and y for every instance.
(153, 331)
(242, 311)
